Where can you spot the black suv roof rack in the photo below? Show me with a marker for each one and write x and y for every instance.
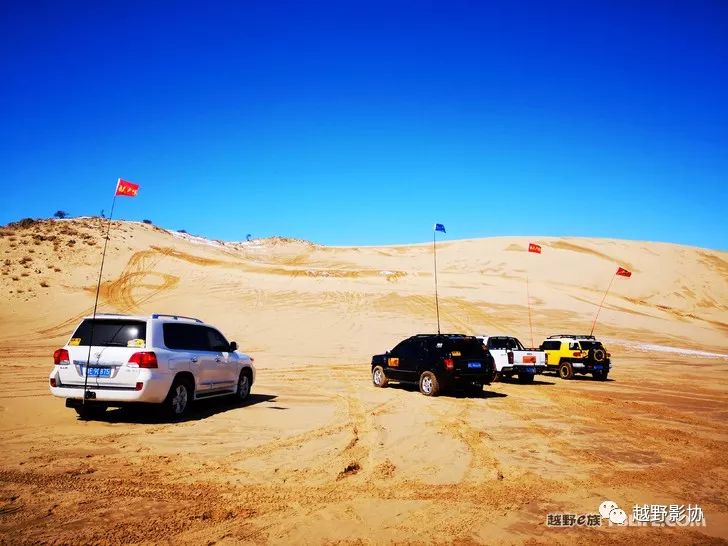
(442, 335)
(175, 317)
(572, 336)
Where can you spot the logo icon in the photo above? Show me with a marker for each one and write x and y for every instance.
(609, 509)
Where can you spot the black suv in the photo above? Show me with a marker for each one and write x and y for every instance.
(435, 362)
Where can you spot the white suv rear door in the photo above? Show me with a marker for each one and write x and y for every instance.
(114, 341)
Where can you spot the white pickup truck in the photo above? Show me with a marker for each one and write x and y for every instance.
(512, 358)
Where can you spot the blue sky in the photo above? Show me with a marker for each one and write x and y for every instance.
(365, 122)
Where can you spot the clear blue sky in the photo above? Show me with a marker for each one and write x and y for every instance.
(350, 122)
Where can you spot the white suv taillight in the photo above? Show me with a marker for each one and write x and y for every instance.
(61, 357)
(145, 359)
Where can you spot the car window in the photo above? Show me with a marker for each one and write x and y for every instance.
(551, 345)
(216, 341)
(574, 346)
(468, 347)
(111, 333)
(509, 343)
(184, 337)
(497, 343)
(406, 349)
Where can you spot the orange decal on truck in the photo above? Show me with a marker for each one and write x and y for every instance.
(393, 362)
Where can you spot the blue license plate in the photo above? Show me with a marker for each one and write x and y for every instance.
(530, 369)
(598, 367)
(99, 372)
(473, 364)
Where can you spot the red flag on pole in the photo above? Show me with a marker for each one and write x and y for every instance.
(126, 188)
(623, 272)
(533, 247)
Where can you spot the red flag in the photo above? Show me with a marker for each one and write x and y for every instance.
(124, 187)
(533, 247)
(622, 272)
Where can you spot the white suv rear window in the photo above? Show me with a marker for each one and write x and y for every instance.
(110, 333)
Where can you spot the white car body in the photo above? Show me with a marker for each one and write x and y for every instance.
(118, 375)
(512, 358)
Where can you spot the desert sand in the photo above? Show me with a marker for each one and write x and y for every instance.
(320, 456)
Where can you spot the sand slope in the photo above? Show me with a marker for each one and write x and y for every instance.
(320, 456)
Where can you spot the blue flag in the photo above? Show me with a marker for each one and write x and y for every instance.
(440, 227)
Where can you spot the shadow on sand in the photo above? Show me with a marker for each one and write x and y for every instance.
(200, 409)
(450, 393)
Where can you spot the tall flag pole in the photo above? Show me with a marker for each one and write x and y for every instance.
(127, 189)
(621, 272)
(536, 249)
(438, 227)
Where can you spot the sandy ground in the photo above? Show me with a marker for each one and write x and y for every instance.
(320, 456)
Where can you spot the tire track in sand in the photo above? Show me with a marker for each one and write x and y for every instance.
(482, 459)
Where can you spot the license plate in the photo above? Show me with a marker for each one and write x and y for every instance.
(598, 367)
(473, 364)
(99, 372)
(529, 369)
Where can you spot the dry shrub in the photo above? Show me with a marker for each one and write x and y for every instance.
(24, 223)
(44, 284)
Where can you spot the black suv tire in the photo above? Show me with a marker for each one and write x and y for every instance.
(378, 378)
(429, 384)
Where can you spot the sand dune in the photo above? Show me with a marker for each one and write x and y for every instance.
(320, 456)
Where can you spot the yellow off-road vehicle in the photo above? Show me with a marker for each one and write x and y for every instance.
(570, 354)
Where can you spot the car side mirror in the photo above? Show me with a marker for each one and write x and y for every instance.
(233, 346)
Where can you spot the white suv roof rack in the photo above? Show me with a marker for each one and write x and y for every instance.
(175, 317)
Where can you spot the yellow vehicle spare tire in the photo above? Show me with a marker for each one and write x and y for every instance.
(599, 355)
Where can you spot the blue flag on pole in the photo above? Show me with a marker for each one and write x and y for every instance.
(440, 227)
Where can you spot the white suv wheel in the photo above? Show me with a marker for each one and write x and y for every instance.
(179, 399)
(243, 387)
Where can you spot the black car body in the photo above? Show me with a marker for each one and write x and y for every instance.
(435, 362)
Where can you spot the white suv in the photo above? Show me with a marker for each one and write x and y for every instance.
(160, 359)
